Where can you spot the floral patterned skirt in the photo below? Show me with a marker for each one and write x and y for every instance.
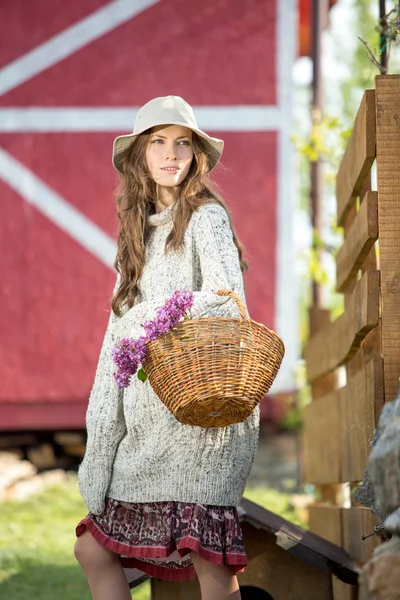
(157, 537)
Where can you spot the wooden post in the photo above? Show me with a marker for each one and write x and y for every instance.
(319, 14)
(383, 42)
(388, 172)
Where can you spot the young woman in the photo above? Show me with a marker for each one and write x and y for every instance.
(162, 496)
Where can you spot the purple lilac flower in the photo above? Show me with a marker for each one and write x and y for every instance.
(169, 315)
(122, 379)
(129, 354)
(151, 330)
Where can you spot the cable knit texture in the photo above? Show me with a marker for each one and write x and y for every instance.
(136, 450)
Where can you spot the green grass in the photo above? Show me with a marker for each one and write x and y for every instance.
(37, 538)
(276, 502)
(36, 547)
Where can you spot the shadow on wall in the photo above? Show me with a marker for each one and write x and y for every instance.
(250, 592)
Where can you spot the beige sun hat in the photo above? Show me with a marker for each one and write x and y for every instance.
(166, 110)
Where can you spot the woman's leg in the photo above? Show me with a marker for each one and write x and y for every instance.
(216, 583)
(102, 569)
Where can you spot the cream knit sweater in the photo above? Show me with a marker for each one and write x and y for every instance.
(136, 450)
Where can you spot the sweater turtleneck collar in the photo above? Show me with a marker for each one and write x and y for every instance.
(163, 217)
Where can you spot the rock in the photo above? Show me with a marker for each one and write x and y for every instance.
(380, 576)
(7, 458)
(12, 469)
(42, 456)
(19, 478)
(53, 477)
(392, 523)
(384, 467)
(365, 494)
(75, 450)
(26, 488)
(67, 438)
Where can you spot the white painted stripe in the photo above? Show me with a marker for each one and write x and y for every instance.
(210, 118)
(287, 290)
(57, 209)
(238, 118)
(69, 41)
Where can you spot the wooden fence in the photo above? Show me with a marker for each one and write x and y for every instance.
(365, 339)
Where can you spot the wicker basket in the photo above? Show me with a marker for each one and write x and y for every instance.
(213, 372)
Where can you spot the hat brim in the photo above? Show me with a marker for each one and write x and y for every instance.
(123, 143)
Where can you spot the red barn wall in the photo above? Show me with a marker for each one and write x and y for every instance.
(55, 151)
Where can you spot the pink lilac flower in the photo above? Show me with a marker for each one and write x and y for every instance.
(129, 354)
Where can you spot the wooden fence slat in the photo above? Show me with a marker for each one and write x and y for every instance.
(360, 403)
(325, 521)
(321, 439)
(370, 348)
(342, 591)
(344, 527)
(360, 239)
(358, 158)
(319, 318)
(356, 521)
(338, 428)
(336, 343)
(388, 172)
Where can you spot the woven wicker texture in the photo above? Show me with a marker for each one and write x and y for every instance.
(212, 372)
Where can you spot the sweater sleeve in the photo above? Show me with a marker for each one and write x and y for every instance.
(219, 264)
(105, 425)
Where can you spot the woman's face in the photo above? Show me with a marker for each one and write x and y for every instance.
(169, 154)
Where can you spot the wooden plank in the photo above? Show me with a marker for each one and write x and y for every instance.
(358, 158)
(321, 438)
(360, 239)
(370, 348)
(388, 172)
(325, 521)
(337, 343)
(283, 575)
(371, 345)
(349, 220)
(338, 429)
(361, 401)
(342, 591)
(319, 318)
(357, 521)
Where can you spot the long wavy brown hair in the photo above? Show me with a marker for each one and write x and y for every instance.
(136, 197)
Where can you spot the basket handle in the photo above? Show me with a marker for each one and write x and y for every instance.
(240, 305)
